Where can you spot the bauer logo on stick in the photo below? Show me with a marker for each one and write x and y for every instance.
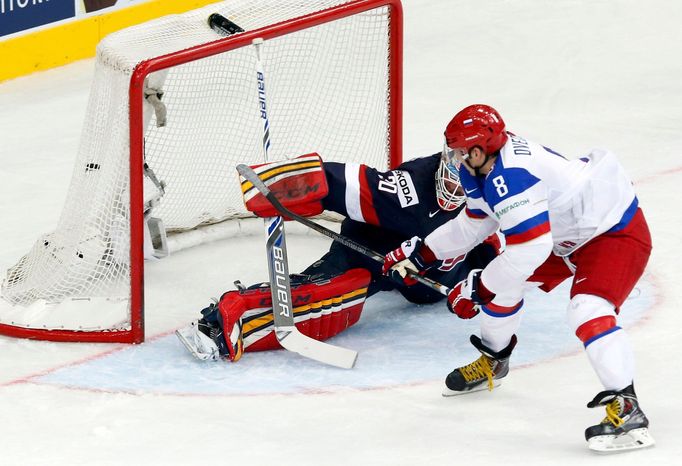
(281, 282)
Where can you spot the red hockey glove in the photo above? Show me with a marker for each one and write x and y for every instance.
(467, 296)
(413, 256)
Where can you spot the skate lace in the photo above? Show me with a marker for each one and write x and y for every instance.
(479, 369)
(612, 410)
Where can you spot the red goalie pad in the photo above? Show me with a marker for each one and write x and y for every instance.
(322, 309)
(299, 184)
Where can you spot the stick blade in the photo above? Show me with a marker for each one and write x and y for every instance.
(322, 352)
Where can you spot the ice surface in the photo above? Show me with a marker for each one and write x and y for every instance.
(571, 74)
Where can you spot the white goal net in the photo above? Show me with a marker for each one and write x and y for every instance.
(332, 73)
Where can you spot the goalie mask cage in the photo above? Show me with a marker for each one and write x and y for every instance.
(333, 80)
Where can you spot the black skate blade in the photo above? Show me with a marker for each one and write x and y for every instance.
(484, 386)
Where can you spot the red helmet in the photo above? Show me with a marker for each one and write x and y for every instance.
(476, 125)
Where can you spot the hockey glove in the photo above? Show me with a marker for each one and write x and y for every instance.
(467, 296)
(412, 256)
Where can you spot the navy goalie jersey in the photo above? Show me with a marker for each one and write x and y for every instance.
(382, 210)
(401, 200)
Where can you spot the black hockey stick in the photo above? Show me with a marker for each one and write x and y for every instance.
(251, 176)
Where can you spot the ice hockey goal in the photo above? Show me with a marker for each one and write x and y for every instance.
(173, 108)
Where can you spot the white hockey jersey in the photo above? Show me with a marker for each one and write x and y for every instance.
(542, 203)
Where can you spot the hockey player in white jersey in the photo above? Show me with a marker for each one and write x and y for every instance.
(560, 218)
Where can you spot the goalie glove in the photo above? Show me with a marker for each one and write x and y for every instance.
(466, 298)
(412, 256)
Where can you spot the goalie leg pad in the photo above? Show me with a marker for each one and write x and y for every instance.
(323, 307)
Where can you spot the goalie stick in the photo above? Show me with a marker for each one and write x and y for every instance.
(278, 268)
(282, 306)
(286, 332)
(248, 173)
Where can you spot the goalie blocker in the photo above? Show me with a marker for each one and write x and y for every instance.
(299, 184)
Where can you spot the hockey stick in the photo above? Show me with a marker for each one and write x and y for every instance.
(248, 173)
(278, 269)
(282, 307)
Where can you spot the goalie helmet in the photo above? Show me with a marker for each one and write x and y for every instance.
(475, 125)
(448, 188)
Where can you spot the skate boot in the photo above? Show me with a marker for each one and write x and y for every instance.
(483, 373)
(204, 338)
(625, 426)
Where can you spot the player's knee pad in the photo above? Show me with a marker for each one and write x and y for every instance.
(323, 307)
(591, 317)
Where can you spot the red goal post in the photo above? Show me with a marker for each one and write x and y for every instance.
(369, 30)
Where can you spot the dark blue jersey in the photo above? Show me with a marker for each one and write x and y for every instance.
(382, 210)
(401, 200)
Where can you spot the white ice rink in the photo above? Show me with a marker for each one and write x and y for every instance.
(572, 74)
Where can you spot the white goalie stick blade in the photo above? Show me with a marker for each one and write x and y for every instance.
(283, 311)
(200, 345)
(632, 440)
(278, 268)
(310, 348)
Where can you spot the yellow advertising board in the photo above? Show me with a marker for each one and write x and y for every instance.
(40, 34)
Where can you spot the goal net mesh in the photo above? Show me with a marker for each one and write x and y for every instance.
(327, 92)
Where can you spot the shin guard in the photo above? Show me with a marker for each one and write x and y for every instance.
(323, 307)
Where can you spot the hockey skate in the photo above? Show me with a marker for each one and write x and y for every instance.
(625, 426)
(204, 338)
(483, 373)
(198, 341)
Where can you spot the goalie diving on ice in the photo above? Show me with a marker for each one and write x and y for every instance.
(382, 210)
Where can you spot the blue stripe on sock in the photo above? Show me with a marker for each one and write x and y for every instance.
(603, 334)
